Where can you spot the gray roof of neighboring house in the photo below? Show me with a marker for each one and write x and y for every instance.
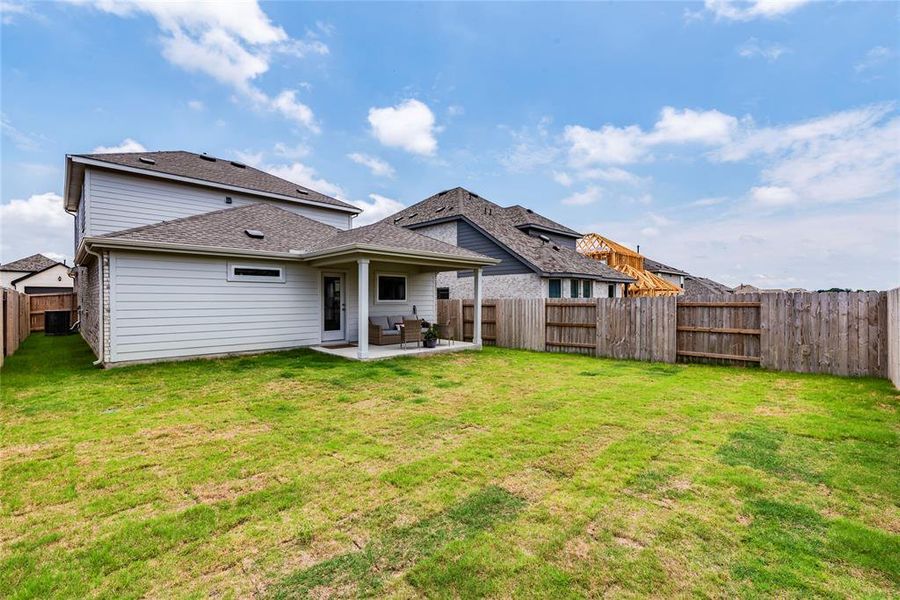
(695, 286)
(283, 232)
(35, 262)
(502, 225)
(523, 217)
(658, 267)
(217, 170)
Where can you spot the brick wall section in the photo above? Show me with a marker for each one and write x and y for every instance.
(495, 286)
(444, 232)
(88, 287)
(106, 319)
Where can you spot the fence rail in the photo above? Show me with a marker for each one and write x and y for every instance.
(843, 333)
(42, 303)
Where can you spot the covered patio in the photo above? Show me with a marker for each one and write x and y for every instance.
(383, 271)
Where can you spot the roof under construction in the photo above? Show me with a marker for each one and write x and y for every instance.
(629, 262)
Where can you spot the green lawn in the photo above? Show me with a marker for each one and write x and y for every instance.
(501, 473)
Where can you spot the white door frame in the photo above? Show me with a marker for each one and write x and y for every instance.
(339, 334)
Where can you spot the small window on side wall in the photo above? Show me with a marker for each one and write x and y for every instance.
(391, 288)
(573, 288)
(443, 293)
(611, 291)
(587, 288)
(555, 288)
(256, 273)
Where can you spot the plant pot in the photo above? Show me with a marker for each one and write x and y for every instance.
(429, 343)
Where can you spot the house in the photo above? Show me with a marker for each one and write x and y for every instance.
(182, 255)
(670, 274)
(697, 286)
(629, 262)
(536, 256)
(36, 274)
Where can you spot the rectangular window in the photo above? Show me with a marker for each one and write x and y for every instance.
(611, 290)
(391, 288)
(586, 289)
(443, 293)
(556, 288)
(573, 288)
(259, 273)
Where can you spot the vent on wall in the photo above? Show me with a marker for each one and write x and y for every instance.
(254, 233)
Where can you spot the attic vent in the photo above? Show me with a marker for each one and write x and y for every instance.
(544, 238)
(555, 247)
(440, 209)
(254, 233)
(304, 192)
(529, 211)
(205, 156)
(398, 219)
(146, 161)
(412, 215)
(238, 165)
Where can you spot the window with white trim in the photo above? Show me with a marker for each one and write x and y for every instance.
(258, 273)
(391, 288)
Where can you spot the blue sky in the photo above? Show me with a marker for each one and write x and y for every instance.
(753, 142)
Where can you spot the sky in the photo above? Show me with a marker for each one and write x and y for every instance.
(749, 142)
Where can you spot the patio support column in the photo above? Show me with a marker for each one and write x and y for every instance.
(476, 326)
(362, 306)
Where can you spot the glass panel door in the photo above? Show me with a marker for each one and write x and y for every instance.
(332, 307)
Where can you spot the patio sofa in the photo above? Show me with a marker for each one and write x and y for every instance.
(384, 330)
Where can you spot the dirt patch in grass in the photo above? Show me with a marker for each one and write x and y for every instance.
(229, 490)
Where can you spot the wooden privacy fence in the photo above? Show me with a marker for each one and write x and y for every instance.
(843, 333)
(15, 321)
(42, 303)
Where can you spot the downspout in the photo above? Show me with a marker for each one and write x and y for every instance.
(100, 320)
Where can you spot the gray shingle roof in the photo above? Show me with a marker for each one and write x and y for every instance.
(283, 232)
(387, 235)
(657, 267)
(29, 264)
(695, 286)
(219, 170)
(521, 217)
(502, 224)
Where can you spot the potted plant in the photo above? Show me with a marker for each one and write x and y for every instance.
(430, 337)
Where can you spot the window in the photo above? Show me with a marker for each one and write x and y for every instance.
(587, 290)
(258, 273)
(573, 288)
(443, 293)
(392, 288)
(611, 291)
(556, 288)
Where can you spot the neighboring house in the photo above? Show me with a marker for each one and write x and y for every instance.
(536, 256)
(696, 286)
(36, 274)
(630, 263)
(746, 288)
(181, 255)
(670, 274)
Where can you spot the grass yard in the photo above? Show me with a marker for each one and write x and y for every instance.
(501, 473)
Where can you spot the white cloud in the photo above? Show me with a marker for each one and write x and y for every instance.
(563, 179)
(9, 11)
(22, 140)
(377, 166)
(773, 195)
(408, 125)
(35, 224)
(754, 48)
(876, 57)
(232, 42)
(710, 201)
(306, 176)
(845, 156)
(127, 145)
(196, 105)
(455, 110)
(612, 175)
(379, 208)
(254, 159)
(292, 152)
(691, 126)
(588, 196)
(740, 10)
(609, 145)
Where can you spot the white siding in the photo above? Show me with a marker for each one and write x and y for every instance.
(166, 306)
(57, 276)
(116, 201)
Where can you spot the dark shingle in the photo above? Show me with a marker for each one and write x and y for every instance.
(502, 224)
(658, 267)
(29, 264)
(387, 235)
(695, 286)
(220, 170)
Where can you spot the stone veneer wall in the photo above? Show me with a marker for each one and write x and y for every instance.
(88, 287)
(444, 232)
